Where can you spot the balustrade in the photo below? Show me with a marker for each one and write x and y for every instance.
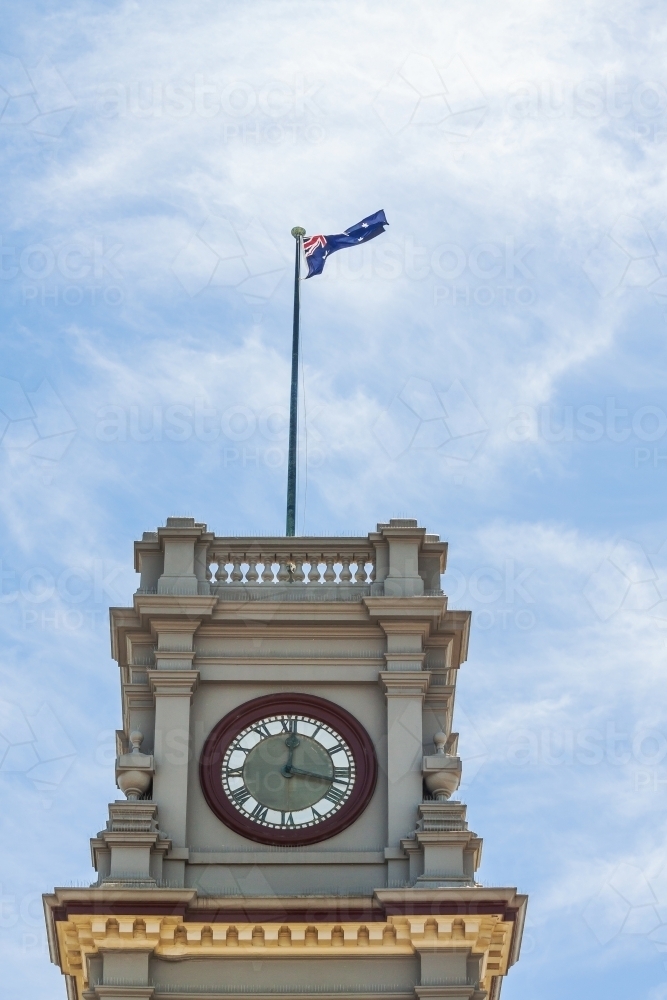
(232, 564)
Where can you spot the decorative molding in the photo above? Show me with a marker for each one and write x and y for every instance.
(244, 670)
(102, 992)
(287, 857)
(405, 683)
(177, 626)
(431, 609)
(173, 683)
(395, 661)
(87, 934)
(168, 659)
(405, 626)
(190, 606)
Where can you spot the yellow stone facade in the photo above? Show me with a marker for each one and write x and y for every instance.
(172, 938)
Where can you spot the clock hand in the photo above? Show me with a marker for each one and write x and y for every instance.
(292, 742)
(290, 769)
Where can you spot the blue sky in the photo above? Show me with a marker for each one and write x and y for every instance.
(493, 365)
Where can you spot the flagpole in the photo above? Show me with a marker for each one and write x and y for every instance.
(298, 233)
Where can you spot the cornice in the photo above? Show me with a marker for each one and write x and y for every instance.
(254, 544)
(458, 623)
(292, 671)
(440, 695)
(219, 628)
(403, 626)
(406, 608)
(301, 613)
(83, 935)
(121, 622)
(174, 605)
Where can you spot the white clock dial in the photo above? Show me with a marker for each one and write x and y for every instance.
(288, 771)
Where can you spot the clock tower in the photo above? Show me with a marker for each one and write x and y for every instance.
(288, 765)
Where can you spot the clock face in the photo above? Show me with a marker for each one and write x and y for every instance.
(288, 769)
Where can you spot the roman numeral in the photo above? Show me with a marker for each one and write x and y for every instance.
(262, 729)
(241, 795)
(341, 774)
(289, 725)
(336, 748)
(236, 772)
(334, 794)
(287, 819)
(259, 813)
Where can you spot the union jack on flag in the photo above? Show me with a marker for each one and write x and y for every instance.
(318, 248)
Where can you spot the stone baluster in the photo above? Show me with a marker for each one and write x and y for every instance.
(252, 576)
(299, 575)
(237, 573)
(329, 573)
(223, 573)
(360, 575)
(345, 574)
(314, 571)
(283, 572)
(267, 572)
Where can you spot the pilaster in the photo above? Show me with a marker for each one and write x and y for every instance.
(405, 691)
(172, 690)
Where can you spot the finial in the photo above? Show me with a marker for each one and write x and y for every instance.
(136, 739)
(298, 231)
(440, 739)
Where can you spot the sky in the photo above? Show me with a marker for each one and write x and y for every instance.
(493, 365)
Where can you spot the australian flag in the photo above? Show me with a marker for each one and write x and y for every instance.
(318, 248)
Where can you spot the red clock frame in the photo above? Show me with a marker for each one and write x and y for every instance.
(222, 734)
